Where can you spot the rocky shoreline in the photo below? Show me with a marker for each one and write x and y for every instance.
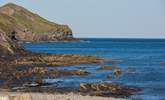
(25, 71)
(35, 65)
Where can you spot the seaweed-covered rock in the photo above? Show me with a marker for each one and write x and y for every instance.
(162, 62)
(117, 71)
(108, 88)
(59, 73)
(109, 76)
(106, 68)
(57, 60)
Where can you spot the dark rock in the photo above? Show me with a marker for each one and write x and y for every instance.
(117, 71)
(109, 76)
(162, 62)
(108, 89)
(57, 60)
(107, 68)
(60, 73)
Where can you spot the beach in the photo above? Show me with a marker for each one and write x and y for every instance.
(46, 96)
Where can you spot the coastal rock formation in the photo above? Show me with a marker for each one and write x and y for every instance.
(162, 62)
(60, 73)
(18, 66)
(117, 71)
(102, 89)
(22, 25)
(21, 69)
(8, 48)
(5, 46)
(109, 76)
(57, 60)
(106, 68)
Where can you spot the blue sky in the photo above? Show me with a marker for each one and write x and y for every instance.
(103, 18)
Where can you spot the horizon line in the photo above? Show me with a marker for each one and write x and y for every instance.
(123, 37)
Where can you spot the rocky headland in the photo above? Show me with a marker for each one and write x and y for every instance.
(18, 24)
(22, 25)
(24, 71)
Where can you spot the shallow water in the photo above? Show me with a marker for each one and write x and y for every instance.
(139, 58)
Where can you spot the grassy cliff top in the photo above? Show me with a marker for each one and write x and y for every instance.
(14, 17)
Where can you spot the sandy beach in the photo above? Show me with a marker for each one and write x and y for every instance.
(45, 96)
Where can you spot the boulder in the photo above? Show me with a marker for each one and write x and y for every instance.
(108, 88)
(117, 71)
(109, 76)
(107, 68)
(162, 62)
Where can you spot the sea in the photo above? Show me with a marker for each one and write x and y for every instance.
(140, 60)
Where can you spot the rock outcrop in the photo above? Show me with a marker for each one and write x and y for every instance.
(105, 89)
(7, 47)
(22, 25)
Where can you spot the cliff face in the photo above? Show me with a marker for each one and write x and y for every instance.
(22, 25)
(7, 47)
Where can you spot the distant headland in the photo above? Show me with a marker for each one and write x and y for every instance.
(27, 26)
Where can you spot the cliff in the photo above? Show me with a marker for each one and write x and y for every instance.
(22, 25)
(9, 48)
(18, 24)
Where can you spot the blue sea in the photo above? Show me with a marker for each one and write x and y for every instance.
(139, 58)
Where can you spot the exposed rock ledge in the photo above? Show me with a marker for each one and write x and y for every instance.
(13, 57)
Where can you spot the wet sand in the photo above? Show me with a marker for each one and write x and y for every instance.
(46, 96)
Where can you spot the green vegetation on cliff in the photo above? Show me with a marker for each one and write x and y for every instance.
(23, 22)
(18, 24)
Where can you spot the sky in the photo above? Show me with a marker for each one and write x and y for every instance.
(103, 18)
